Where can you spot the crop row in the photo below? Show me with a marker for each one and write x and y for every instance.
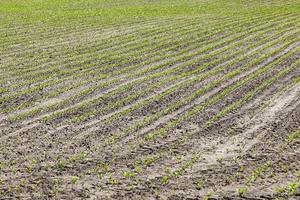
(149, 119)
(96, 53)
(31, 89)
(81, 67)
(77, 64)
(196, 109)
(142, 122)
(63, 33)
(217, 97)
(188, 114)
(249, 95)
(118, 53)
(116, 42)
(229, 56)
(112, 81)
(113, 41)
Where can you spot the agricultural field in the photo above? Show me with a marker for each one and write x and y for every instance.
(149, 99)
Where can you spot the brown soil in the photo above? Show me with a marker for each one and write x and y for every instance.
(246, 148)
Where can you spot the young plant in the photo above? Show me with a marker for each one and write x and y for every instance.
(242, 191)
(73, 180)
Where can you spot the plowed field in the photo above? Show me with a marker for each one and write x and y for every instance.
(139, 99)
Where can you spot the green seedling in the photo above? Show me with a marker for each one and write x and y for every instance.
(165, 180)
(73, 180)
(199, 184)
(242, 191)
(128, 174)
